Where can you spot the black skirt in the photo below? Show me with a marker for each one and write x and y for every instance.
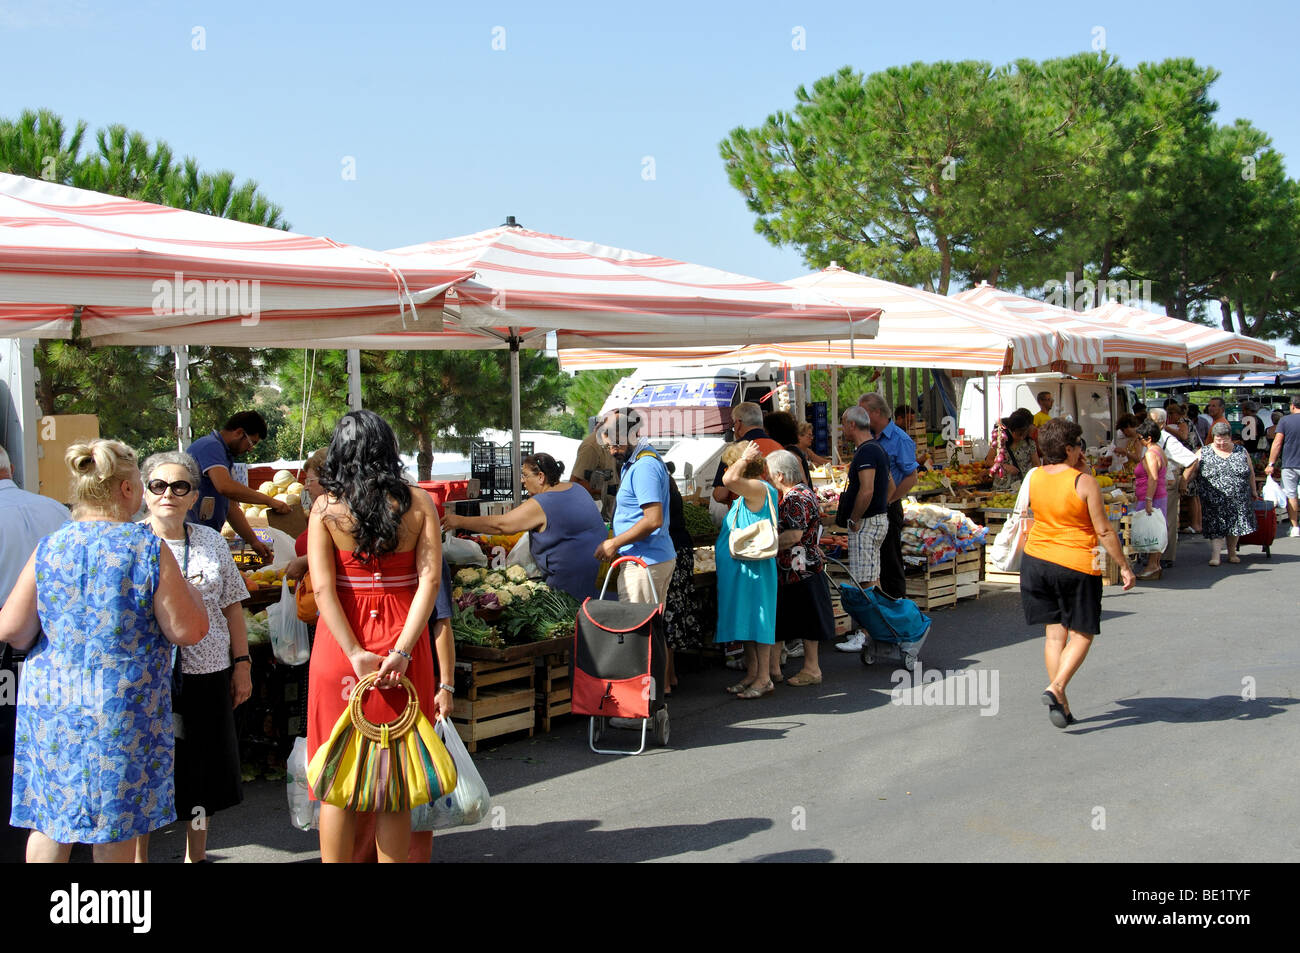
(803, 609)
(207, 756)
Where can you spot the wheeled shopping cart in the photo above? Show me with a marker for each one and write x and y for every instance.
(895, 629)
(619, 659)
(1265, 528)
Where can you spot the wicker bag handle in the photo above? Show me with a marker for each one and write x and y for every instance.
(393, 729)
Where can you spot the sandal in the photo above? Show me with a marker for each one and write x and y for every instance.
(1055, 710)
(738, 688)
(802, 679)
(753, 691)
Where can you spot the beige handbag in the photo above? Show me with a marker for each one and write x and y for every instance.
(755, 541)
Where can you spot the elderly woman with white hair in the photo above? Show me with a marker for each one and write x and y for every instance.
(1227, 490)
(803, 603)
(216, 674)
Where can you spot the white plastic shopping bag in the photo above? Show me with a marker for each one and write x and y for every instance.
(303, 811)
(462, 552)
(1273, 493)
(469, 802)
(289, 638)
(1150, 535)
(1009, 545)
(521, 554)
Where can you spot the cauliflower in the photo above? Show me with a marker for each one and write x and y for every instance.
(468, 577)
(516, 574)
(503, 597)
(457, 591)
(494, 580)
(521, 592)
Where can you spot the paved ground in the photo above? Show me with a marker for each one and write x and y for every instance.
(1169, 761)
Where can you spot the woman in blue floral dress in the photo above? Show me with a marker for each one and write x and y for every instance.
(95, 608)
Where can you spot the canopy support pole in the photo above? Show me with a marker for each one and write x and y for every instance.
(1114, 405)
(184, 431)
(834, 422)
(988, 431)
(354, 379)
(515, 414)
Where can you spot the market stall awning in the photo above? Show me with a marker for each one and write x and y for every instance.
(136, 273)
(1207, 347)
(917, 329)
(528, 283)
(1100, 345)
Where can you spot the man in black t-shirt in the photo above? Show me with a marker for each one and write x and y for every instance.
(864, 506)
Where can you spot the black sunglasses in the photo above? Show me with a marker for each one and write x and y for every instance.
(179, 488)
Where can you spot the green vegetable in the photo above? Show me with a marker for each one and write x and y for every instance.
(698, 520)
(545, 616)
(469, 628)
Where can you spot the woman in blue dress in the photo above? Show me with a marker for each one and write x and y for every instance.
(95, 608)
(563, 522)
(747, 588)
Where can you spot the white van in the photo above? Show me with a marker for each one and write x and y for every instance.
(688, 411)
(1087, 402)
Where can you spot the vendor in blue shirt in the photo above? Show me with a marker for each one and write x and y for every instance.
(215, 455)
(641, 520)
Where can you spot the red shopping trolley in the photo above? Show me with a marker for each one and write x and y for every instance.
(1265, 528)
(619, 659)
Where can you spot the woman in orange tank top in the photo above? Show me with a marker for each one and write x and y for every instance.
(1060, 574)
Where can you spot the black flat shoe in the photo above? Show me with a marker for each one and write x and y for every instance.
(1055, 710)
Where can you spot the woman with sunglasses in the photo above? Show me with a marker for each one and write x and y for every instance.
(216, 673)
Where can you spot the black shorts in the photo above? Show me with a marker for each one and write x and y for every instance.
(1055, 595)
(803, 610)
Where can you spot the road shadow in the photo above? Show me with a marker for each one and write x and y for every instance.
(1131, 712)
(584, 841)
(810, 856)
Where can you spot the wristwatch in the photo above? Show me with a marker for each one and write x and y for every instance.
(240, 658)
(449, 689)
(853, 524)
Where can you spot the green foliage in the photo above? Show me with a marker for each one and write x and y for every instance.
(434, 400)
(132, 389)
(935, 173)
(588, 391)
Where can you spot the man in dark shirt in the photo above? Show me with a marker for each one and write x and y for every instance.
(215, 455)
(864, 507)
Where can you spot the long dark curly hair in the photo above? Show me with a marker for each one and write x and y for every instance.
(362, 468)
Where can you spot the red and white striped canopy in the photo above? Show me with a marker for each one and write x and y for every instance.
(529, 283)
(917, 329)
(149, 274)
(1207, 348)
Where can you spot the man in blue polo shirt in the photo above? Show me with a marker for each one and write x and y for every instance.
(901, 450)
(215, 455)
(640, 512)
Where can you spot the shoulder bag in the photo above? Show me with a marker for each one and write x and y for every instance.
(755, 541)
(1010, 544)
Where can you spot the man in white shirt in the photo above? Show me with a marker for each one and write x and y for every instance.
(24, 519)
(1179, 459)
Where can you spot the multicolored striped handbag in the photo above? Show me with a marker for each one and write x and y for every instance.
(388, 767)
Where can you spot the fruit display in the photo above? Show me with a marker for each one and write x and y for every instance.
(284, 488)
(1000, 501)
(490, 542)
(961, 474)
(1105, 480)
(268, 578)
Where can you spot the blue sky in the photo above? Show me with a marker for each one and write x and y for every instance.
(449, 135)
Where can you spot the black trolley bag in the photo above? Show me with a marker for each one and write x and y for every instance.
(620, 656)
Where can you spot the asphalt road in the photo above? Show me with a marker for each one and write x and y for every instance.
(1184, 751)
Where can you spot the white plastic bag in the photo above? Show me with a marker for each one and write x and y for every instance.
(521, 554)
(303, 811)
(1009, 545)
(289, 639)
(469, 802)
(462, 552)
(1273, 493)
(1150, 535)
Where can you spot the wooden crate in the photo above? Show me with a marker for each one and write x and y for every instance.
(933, 587)
(969, 568)
(493, 698)
(554, 694)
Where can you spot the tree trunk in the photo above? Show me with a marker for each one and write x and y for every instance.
(945, 265)
(1248, 328)
(1225, 314)
(1103, 275)
(424, 459)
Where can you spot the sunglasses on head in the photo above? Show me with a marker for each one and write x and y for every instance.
(179, 488)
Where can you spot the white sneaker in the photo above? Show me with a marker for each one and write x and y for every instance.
(794, 649)
(1295, 531)
(855, 642)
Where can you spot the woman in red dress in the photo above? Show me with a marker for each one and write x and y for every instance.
(375, 556)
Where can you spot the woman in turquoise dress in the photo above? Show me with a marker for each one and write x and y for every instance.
(747, 588)
(95, 608)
